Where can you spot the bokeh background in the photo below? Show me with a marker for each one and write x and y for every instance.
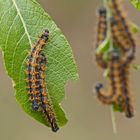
(88, 119)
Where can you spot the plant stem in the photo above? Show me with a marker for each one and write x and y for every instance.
(109, 14)
(113, 121)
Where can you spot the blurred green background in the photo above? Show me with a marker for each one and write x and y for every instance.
(88, 119)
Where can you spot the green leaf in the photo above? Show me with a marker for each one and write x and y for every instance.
(136, 3)
(21, 23)
(104, 46)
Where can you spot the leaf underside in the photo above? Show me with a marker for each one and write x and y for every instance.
(21, 23)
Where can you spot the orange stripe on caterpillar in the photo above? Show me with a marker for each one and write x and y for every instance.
(101, 35)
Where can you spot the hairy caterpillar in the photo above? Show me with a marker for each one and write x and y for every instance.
(127, 106)
(121, 56)
(46, 105)
(102, 33)
(37, 81)
(115, 81)
(121, 32)
(123, 38)
(119, 92)
(33, 71)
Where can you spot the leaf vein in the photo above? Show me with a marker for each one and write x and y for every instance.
(14, 52)
(22, 20)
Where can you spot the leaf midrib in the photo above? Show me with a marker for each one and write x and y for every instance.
(22, 20)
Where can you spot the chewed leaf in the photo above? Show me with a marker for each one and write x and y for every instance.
(21, 22)
(136, 3)
(104, 46)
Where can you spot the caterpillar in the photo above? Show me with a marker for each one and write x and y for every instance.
(121, 32)
(46, 105)
(127, 106)
(115, 81)
(122, 43)
(33, 72)
(121, 58)
(33, 81)
(37, 81)
(102, 33)
(123, 37)
(124, 101)
(119, 92)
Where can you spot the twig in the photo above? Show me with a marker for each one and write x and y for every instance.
(109, 14)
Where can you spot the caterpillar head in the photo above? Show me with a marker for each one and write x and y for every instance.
(45, 35)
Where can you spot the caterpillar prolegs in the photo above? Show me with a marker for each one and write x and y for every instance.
(36, 81)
